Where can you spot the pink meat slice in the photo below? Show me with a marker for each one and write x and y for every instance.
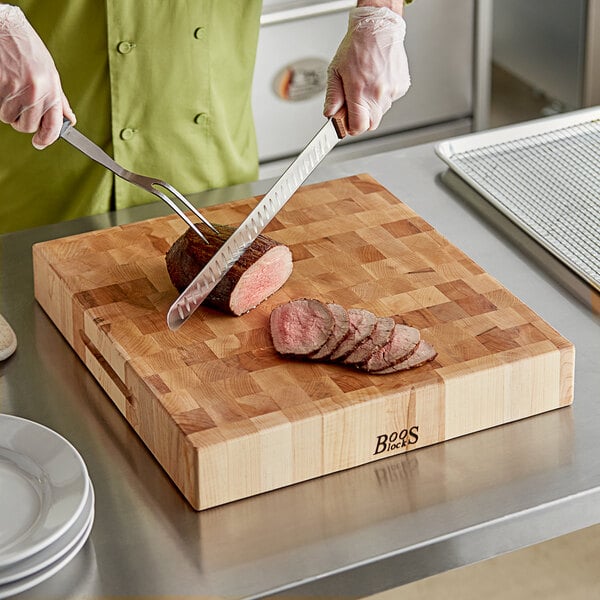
(401, 345)
(423, 353)
(261, 280)
(341, 326)
(300, 327)
(362, 323)
(381, 334)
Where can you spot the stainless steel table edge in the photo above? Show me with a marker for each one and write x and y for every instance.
(353, 533)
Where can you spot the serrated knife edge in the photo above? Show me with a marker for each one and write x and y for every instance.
(262, 214)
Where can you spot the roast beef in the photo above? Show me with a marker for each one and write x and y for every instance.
(423, 353)
(300, 327)
(382, 332)
(308, 328)
(362, 323)
(400, 346)
(263, 268)
(341, 325)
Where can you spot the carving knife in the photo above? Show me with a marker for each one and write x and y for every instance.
(227, 255)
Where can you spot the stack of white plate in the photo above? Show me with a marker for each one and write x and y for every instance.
(46, 504)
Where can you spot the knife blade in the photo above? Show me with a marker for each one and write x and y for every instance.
(284, 188)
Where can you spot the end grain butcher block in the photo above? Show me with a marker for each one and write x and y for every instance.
(227, 417)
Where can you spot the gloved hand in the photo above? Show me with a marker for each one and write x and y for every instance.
(370, 68)
(31, 96)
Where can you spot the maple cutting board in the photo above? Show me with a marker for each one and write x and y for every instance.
(227, 417)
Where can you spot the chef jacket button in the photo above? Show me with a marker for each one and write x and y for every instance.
(127, 133)
(200, 118)
(125, 47)
(199, 33)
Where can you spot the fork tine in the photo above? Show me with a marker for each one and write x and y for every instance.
(186, 203)
(176, 208)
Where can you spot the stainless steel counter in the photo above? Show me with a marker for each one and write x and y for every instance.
(352, 533)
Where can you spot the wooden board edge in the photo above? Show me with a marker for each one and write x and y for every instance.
(567, 374)
(219, 466)
(46, 286)
(346, 437)
(145, 416)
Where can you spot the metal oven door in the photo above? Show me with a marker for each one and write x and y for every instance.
(298, 40)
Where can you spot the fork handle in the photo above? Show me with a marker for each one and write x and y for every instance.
(85, 145)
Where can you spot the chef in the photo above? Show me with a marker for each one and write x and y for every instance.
(162, 86)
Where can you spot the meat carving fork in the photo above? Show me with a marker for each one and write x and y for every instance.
(85, 145)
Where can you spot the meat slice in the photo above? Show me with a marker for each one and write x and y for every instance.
(308, 328)
(341, 325)
(382, 332)
(263, 268)
(362, 322)
(300, 327)
(400, 346)
(423, 353)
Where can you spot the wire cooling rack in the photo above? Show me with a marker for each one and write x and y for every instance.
(545, 177)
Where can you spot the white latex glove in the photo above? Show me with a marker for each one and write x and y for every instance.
(31, 96)
(370, 68)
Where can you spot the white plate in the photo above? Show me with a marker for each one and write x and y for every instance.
(44, 485)
(16, 587)
(44, 558)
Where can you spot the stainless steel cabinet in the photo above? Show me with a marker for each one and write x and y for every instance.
(551, 44)
(298, 39)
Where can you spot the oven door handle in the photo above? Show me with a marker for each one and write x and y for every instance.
(304, 12)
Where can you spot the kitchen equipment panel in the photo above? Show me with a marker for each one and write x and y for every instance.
(299, 39)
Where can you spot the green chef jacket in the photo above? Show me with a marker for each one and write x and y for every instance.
(163, 86)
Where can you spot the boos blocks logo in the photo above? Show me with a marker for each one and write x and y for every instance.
(387, 442)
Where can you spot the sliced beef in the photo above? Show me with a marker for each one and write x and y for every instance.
(362, 323)
(300, 327)
(423, 353)
(400, 346)
(308, 328)
(341, 326)
(381, 334)
(263, 268)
